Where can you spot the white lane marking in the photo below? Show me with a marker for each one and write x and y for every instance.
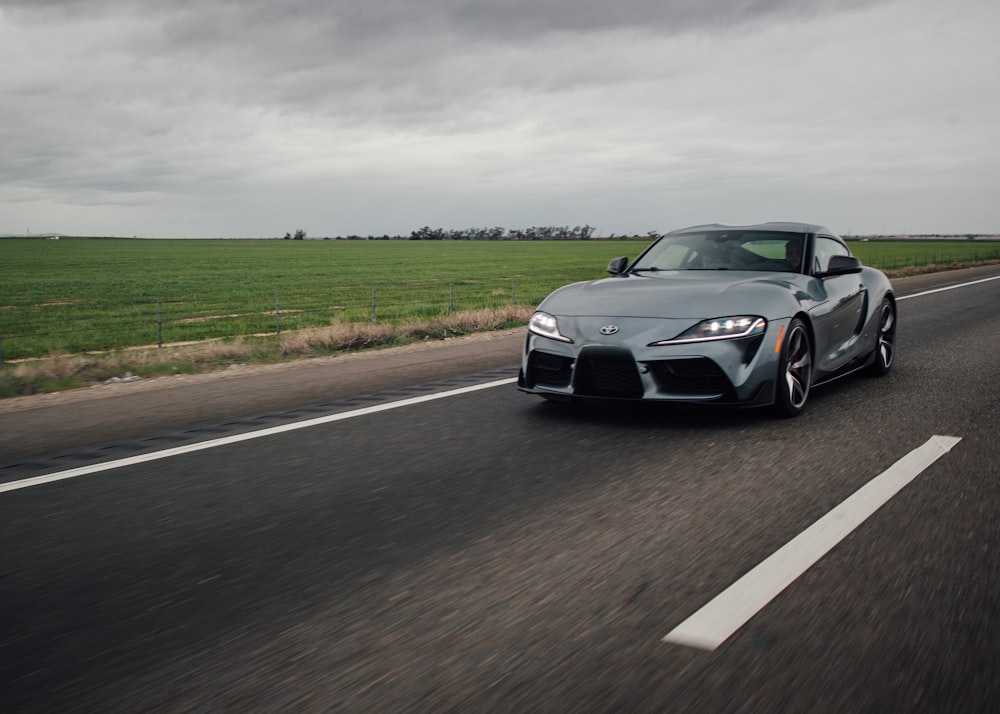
(236, 438)
(714, 623)
(949, 287)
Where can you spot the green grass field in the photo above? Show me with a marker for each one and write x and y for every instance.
(79, 295)
(73, 296)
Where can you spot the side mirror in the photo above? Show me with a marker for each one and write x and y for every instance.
(842, 265)
(618, 265)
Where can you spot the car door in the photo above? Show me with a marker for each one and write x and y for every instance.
(838, 319)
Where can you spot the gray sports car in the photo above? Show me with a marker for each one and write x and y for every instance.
(713, 314)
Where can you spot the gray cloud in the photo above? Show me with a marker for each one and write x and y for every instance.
(239, 118)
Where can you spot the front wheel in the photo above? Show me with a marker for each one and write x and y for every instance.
(885, 340)
(795, 371)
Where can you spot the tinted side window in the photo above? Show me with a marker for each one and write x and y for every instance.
(825, 249)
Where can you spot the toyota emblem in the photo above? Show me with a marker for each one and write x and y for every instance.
(609, 329)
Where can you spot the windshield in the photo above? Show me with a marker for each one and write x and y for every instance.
(725, 250)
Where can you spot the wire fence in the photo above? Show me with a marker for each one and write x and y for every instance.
(80, 327)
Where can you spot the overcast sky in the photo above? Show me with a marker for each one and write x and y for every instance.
(201, 118)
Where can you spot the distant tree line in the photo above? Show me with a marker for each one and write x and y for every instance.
(498, 233)
(585, 232)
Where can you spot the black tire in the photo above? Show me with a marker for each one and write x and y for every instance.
(885, 340)
(795, 371)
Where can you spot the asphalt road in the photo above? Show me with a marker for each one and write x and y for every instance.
(487, 551)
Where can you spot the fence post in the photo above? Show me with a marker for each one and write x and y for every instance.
(451, 298)
(373, 306)
(277, 314)
(159, 324)
(513, 291)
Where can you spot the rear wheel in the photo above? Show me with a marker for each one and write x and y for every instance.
(795, 369)
(885, 340)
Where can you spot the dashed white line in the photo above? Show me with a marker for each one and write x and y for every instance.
(236, 438)
(714, 623)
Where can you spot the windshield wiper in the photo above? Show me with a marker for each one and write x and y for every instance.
(645, 270)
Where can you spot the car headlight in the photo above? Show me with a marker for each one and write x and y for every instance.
(544, 324)
(720, 328)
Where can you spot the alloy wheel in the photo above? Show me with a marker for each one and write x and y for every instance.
(887, 336)
(798, 367)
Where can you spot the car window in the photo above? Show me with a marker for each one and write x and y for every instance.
(775, 252)
(676, 255)
(724, 250)
(826, 248)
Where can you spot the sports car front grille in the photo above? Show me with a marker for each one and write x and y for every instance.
(612, 372)
(607, 373)
(692, 376)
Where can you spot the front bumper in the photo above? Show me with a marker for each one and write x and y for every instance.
(725, 372)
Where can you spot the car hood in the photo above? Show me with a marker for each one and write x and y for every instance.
(693, 294)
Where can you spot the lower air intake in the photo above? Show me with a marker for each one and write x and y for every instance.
(696, 376)
(605, 372)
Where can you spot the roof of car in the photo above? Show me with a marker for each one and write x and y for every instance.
(779, 226)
